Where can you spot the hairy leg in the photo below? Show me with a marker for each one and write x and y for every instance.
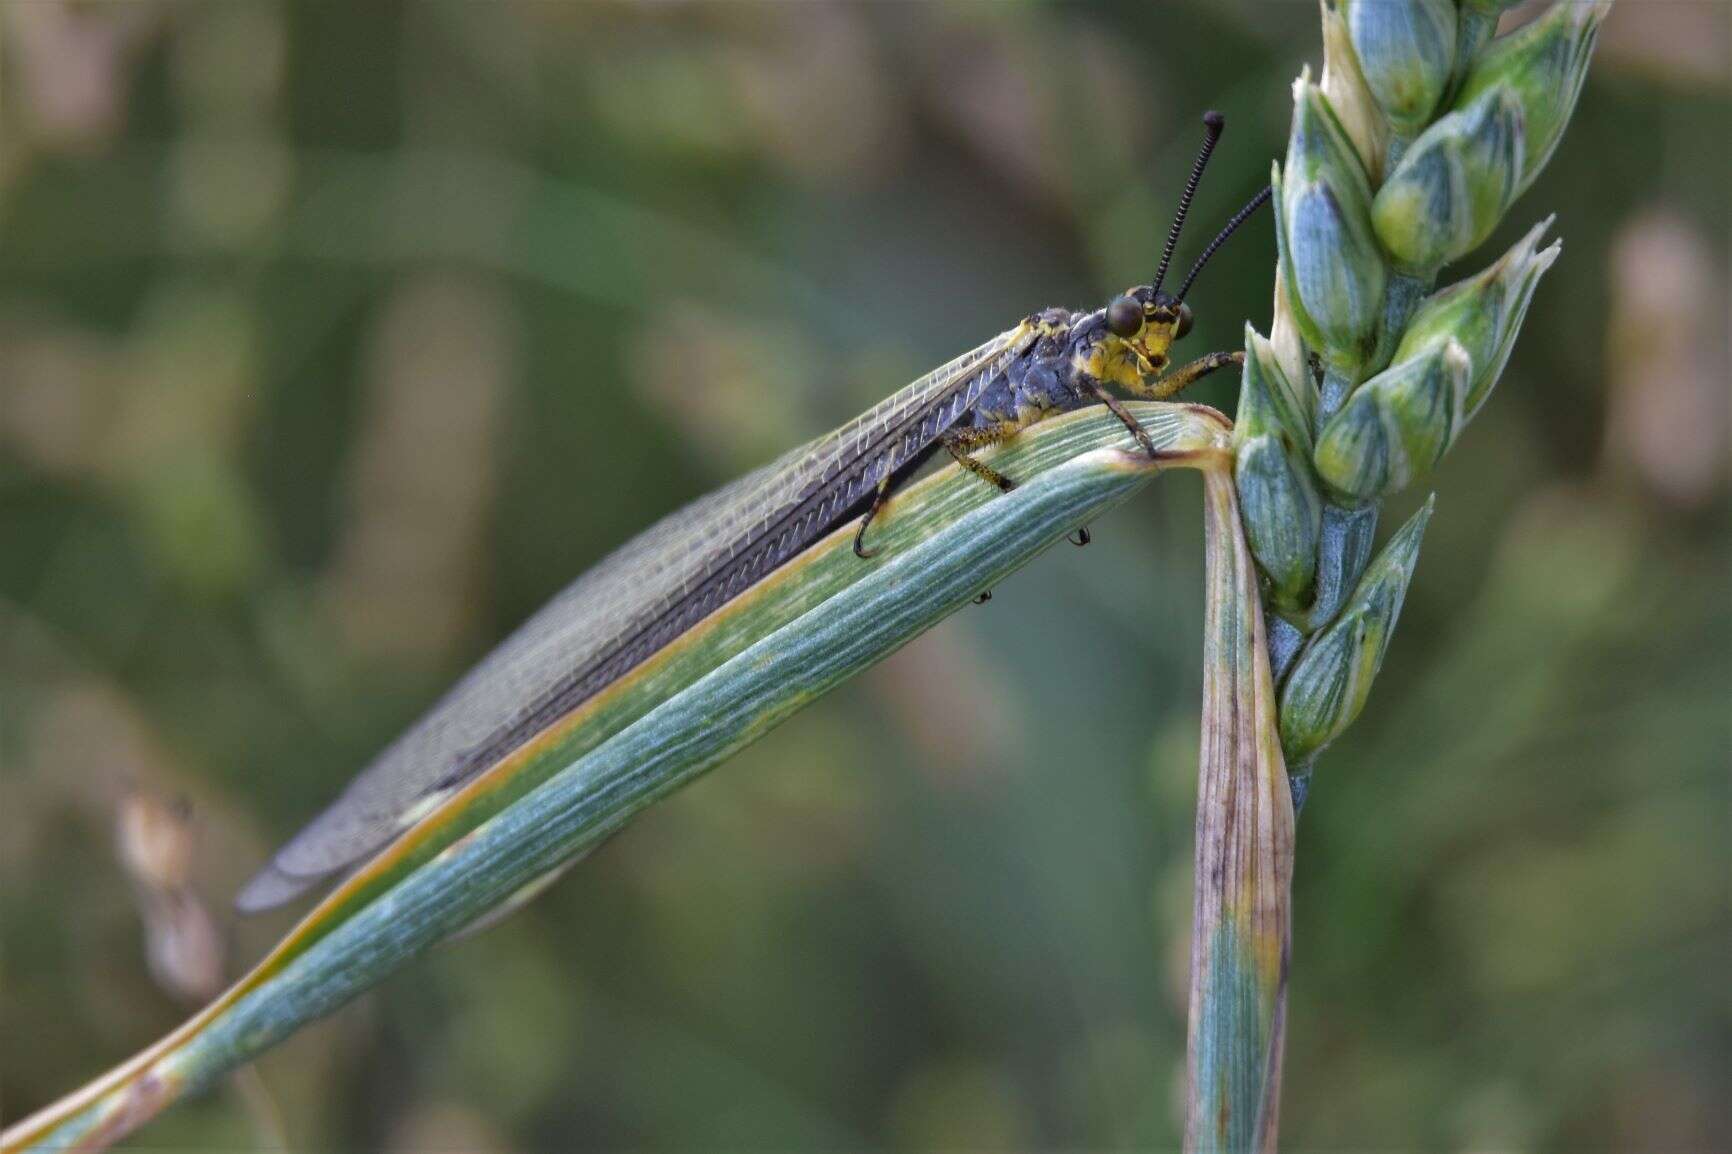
(1172, 383)
(959, 442)
(879, 496)
(1123, 414)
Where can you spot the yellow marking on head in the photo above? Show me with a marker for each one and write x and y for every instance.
(1160, 329)
(1115, 360)
(1140, 330)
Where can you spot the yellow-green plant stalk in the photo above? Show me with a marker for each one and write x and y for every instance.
(1272, 447)
(1244, 857)
(1404, 155)
(1334, 274)
(1405, 53)
(1476, 23)
(1332, 678)
(1451, 188)
(1543, 65)
(1396, 426)
(809, 626)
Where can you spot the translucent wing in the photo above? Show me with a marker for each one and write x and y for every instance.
(646, 592)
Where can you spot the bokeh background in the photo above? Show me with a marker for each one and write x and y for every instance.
(334, 339)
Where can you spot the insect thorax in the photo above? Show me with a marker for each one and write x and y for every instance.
(1064, 356)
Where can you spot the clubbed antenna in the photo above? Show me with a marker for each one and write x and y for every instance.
(1232, 226)
(1213, 125)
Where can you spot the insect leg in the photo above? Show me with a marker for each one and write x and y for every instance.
(879, 495)
(958, 442)
(1185, 376)
(1123, 414)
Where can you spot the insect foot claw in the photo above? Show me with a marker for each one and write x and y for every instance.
(1080, 538)
(985, 596)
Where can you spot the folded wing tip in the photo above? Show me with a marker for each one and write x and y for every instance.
(269, 888)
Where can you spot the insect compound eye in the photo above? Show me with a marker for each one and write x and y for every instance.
(1125, 317)
(1184, 321)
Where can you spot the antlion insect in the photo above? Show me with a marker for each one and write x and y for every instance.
(659, 585)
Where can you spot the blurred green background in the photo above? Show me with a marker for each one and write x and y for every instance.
(333, 340)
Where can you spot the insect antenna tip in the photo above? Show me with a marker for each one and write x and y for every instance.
(1214, 123)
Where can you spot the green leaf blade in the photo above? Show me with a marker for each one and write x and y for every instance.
(946, 539)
